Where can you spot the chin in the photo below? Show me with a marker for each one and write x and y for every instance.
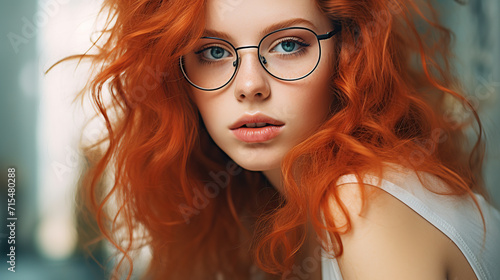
(257, 164)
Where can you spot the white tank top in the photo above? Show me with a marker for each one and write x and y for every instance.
(457, 217)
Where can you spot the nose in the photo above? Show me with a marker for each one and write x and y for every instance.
(251, 80)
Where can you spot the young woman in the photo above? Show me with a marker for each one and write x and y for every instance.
(287, 139)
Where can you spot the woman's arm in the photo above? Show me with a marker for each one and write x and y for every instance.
(389, 240)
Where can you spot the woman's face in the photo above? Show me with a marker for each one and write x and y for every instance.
(298, 107)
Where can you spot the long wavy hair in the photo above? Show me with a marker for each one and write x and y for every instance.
(199, 213)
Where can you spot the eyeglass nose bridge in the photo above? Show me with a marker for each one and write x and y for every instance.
(261, 58)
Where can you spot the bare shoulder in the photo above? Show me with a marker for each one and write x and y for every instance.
(388, 240)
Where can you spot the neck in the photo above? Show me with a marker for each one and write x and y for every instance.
(274, 176)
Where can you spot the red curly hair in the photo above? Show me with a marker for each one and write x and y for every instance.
(203, 215)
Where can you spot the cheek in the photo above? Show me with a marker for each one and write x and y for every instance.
(206, 111)
(210, 111)
(319, 98)
(315, 108)
(309, 107)
(201, 104)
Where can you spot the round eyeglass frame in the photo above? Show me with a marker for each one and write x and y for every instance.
(237, 61)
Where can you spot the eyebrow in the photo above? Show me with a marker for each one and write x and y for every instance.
(267, 30)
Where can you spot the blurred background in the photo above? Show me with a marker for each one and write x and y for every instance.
(41, 127)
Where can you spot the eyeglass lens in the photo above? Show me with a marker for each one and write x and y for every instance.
(287, 54)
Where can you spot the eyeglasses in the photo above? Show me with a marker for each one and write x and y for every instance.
(288, 54)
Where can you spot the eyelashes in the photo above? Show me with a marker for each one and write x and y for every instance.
(283, 48)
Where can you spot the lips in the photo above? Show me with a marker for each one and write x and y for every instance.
(256, 128)
(255, 120)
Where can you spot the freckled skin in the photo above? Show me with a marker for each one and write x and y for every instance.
(302, 105)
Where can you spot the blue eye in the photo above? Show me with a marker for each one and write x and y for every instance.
(214, 53)
(288, 46)
(217, 52)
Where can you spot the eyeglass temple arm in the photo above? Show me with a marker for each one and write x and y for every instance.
(330, 34)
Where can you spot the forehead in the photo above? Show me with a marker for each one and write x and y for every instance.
(250, 19)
